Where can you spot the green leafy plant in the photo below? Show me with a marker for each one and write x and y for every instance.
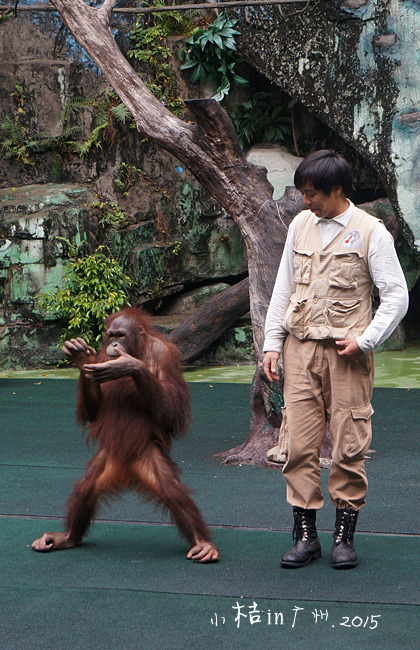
(176, 248)
(111, 215)
(150, 47)
(5, 14)
(261, 118)
(94, 287)
(171, 22)
(127, 177)
(61, 147)
(211, 56)
(19, 146)
(19, 95)
(156, 291)
(107, 109)
(72, 250)
(16, 146)
(101, 127)
(121, 113)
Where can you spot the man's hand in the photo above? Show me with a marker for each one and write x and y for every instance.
(270, 362)
(348, 348)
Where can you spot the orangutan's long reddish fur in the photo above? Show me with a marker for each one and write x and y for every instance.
(132, 414)
(134, 422)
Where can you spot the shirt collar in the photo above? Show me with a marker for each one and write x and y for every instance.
(342, 219)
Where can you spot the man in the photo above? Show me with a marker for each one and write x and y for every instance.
(320, 318)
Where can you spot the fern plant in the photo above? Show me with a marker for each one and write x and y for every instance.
(127, 177)
(261, 118)
(121, 113)
(106, 109)
(100, 124)
(16, 146)
(60, 146)
(169, 22)
(211, 56)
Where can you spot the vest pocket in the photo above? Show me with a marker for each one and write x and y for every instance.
(345, 269)
(293, 320)
(342, 313)
(302, 262)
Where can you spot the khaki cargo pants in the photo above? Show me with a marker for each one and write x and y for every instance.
(321, 386)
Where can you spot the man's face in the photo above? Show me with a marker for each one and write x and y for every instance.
(324, 205)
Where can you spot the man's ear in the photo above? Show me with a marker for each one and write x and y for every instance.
(337, 190)
(141, 330)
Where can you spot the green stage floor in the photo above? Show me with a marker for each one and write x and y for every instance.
(130, 586)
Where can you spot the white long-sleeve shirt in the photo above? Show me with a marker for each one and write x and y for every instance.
(384, 268)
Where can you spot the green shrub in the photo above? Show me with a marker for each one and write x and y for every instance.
(94, 287)
(150, 47)
(261, 118)
(111, 215)
(211, 55)
(17, 146)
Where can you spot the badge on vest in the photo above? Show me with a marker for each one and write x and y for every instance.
(353, 239)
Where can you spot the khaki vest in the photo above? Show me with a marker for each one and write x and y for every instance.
(333, 286)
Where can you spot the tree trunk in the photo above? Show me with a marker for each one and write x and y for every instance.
(211, 151)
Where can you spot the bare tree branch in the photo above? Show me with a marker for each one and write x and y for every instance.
(107, 8)
(189, 7)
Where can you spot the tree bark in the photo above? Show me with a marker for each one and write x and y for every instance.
(210, 150)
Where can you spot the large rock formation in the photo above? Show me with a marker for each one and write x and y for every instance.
(352, 64)
(31, 261)
(197, 244)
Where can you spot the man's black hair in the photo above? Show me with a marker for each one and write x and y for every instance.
(325, 170)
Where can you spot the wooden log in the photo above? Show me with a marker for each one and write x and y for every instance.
(213, 318)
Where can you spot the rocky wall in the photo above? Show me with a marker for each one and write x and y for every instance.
(346, 62)
(177, 237)
(32, 261)
(353, 64)
(194, 243)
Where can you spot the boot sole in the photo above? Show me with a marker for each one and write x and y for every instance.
(344, 565)
(297, 565)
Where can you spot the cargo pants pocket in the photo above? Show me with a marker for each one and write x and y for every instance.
(359, 434)
(278, 454)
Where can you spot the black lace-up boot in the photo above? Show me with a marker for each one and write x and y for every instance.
(307, 546)
(343, 554)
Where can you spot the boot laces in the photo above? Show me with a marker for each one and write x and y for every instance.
(302, 529)
(345, 527)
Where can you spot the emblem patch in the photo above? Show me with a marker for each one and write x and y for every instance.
(353, 239)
